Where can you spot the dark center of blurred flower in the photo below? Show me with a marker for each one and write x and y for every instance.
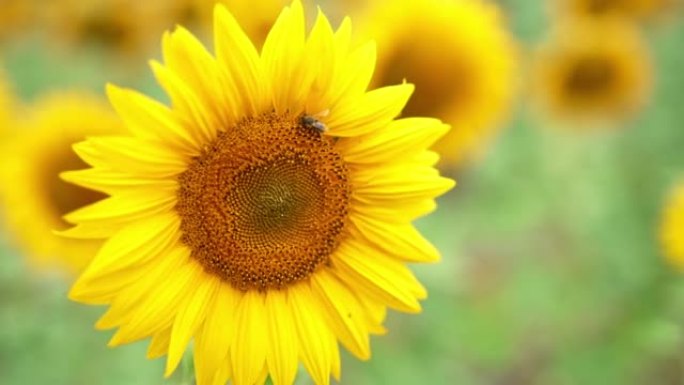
(444, 81)
(603, 6)
(265, 203)
(104, 29)
(65, 197)
(590, 77)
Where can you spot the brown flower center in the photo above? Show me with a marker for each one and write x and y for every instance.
(603, 6)
(591, 76)
(265, 203)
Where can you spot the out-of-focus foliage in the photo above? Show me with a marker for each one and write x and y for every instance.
(552, 270)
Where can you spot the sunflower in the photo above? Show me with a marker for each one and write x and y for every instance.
(7, 102)
(461, 59)
(592, 72)
(267, 213)
(33, 196)
(128, 26)
(632, 9)
(15, 15)
(256, 17)
(672, 228)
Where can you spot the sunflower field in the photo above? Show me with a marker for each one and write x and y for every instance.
(471, 192)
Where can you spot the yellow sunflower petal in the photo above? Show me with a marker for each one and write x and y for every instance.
(400, 240)
(386, 279)
(223, 374)
(375, 313)
(318, 347)
(352, 71)
(184, 54)
(403, 181)
(150, 119)
(215, 339)
(132, 324)
(345, 313)
(406, 211)
(200, 74)
(154, 313)
(250, 339)
(139, 285)
(113, 182)
(321, 41)
(343, 35)
(135, 244)
(124, 207)
(400, 138)
(282, 55)
(123, 154)
(190, 317)
(427, 158)
(283, 348)
(196, 117)
(204, 374)
(159, 344)
(238, 57)
(372, 111)
(101, 231)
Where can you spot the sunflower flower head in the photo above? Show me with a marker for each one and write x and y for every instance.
(461, 58)
(128, 26)
(266, 214)
(592, 73)
(672, 228)
(33, 196)
(631, 9)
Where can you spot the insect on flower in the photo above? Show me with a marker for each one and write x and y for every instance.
(311, 122)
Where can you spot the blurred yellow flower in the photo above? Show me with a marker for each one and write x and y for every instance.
(129, 26)
(7, 103)
(672, 228)
(267, 214)
(461, 58)
(33, 197)
(591, 72)
(633, 9)
(15, 15)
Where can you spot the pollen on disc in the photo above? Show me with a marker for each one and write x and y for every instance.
(265, 203)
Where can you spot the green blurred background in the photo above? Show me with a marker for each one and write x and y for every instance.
(551, 271)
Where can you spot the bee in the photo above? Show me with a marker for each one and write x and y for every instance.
(311, 122)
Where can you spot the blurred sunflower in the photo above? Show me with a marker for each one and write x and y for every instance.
(7, 103)
(128, 26)
(256, 16)
(33, 196)
(672, 228)
(592, 72)
(633, 9)
(15, 15)
(461, 59)
(266, 214)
